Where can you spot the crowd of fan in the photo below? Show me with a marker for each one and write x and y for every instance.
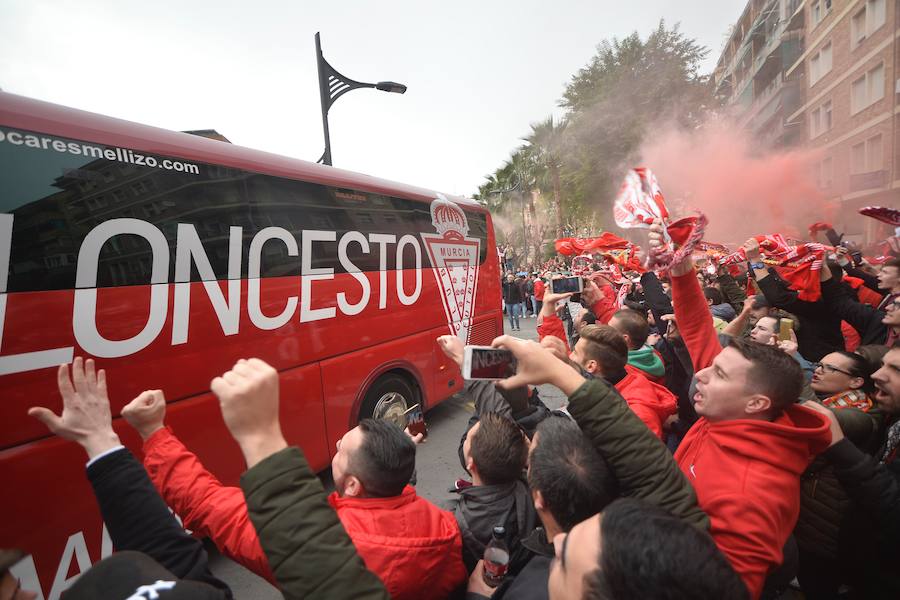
(699, 456)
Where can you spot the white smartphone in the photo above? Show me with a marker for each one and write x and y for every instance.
(567, 284)
(486, 363)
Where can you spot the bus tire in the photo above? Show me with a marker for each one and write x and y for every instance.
(388, 398)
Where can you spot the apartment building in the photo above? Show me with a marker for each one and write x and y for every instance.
(751, 74)
(850, 112)
(823, 74)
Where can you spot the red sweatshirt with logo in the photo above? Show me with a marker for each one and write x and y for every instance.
(746, 472)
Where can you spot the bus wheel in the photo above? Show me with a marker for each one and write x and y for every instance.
(388, 399)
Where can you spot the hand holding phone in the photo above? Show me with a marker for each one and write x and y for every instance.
(486, 363)
(415, 421)
(567, 285)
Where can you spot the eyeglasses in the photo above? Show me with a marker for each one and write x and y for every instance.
(831, 369)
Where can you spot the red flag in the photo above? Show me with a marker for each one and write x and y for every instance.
(640, 200)
(891, 216)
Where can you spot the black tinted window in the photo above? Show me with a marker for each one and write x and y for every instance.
(58, 197)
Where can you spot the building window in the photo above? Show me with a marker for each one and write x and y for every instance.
(820, 64)
(819, 11)
(867, 156)
(866, 21)
(824, 173)
(867, 90)
(820, 119)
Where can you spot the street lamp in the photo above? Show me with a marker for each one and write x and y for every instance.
(333, 85)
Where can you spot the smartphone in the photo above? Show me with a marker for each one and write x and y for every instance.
(486, 363)
(415, 420)
(567, 285)
(784, 333)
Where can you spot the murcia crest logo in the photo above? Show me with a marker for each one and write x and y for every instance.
(454, 261)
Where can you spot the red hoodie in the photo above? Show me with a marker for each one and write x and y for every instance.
(650, 401)
(414, 547)
(746, 472)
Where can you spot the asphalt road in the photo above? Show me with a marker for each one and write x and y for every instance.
(437, 466)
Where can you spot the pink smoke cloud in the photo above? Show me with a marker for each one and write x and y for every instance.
(745, 191)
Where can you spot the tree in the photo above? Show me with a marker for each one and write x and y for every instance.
(547, 141)
(630, 86)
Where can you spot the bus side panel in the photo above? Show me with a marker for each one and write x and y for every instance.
(42, 320)
(58, 515)
(346, 378)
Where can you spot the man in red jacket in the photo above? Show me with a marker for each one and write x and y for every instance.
(601, 351)
(746, 453)
(414, 547)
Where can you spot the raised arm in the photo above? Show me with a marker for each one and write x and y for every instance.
(862, 317)
(656, 297)
(308, 549)
(135, 515)
(641, 463)
(691, 311)
(205, 506)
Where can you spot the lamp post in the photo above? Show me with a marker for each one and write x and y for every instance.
(333, 85)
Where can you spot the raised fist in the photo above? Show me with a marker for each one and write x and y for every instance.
(146, 413)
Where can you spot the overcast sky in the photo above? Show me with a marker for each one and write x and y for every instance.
(478, 72)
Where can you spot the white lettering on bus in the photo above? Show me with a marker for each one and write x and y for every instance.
(84, 322)
(353, 271)
(224, 297)
(76, 547)
(254, 282)
(408, 240)
(382, 239)
(187, 249)
(308, 275)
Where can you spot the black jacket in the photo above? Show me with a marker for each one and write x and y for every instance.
(872, 549)
(862, 317)
(480, 508)
(513, 292)
(531, 582)
(138, 519)
(819, 331)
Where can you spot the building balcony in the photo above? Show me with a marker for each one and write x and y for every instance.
(868, 181)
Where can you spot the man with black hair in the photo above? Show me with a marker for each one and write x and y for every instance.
(495, 453)
(569, 482)
(383, 515)
(635, 550)
(747, 451)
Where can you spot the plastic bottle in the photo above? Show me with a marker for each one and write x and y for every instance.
(496, 558)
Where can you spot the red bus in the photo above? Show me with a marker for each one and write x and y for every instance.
(167, 256)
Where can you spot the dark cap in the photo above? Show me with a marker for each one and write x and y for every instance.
(120, 576)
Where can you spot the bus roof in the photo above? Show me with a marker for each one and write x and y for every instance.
(44, 117)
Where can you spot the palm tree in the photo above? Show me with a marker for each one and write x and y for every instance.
(546, 140)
